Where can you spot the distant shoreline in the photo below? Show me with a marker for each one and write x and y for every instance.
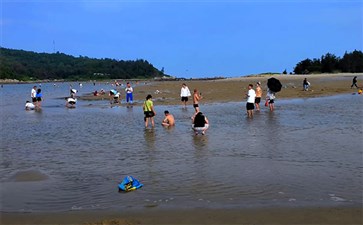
(15, 81)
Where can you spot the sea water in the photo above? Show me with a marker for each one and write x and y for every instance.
(306, 153)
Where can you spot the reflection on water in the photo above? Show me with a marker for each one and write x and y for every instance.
(200, 142)
(305, 153)
(149, 135)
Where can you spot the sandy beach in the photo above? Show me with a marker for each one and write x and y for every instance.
(213, 91)
(234, 89)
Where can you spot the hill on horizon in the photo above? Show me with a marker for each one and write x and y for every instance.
(28, 65)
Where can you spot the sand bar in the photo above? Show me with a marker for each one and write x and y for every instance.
(234, 89)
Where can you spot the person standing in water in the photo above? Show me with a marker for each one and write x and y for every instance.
(251, 95)
(39, 98)
(149, 111)
(196, 98)
(129, 93)
(33, 95)
(258, 95)
(184, 94)
(270, 97)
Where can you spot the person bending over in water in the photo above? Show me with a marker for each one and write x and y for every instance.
(168, 120)
(71, 102)
(200, 123)
(29, 106)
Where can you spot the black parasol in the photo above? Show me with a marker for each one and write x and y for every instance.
(274, 84)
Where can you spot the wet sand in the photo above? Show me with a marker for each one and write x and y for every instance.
(234, 89)
(194, 216)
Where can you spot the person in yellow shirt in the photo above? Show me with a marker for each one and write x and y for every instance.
(149, 111)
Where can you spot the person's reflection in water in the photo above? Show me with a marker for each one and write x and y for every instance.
(149, 136)
(200, 142)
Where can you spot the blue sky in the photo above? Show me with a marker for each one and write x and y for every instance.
(193, 38)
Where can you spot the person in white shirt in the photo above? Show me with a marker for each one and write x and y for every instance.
(129, 96)
(33, 95)
(71, 102)
(251, 95)
(184, 94)
(270, 99)
(29, 106)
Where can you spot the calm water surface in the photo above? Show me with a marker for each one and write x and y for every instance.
(306, 153)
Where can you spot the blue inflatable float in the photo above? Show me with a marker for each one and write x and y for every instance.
(129, 184)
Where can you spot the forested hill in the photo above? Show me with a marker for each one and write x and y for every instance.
(352, 62)
(27, 65)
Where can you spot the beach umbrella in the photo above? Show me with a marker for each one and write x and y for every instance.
(274, 84)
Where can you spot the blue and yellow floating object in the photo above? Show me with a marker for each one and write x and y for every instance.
(129, 184)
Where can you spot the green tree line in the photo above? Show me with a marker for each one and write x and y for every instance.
(351, 62)
(27, 65)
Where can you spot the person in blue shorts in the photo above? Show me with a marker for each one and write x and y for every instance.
(129, 93)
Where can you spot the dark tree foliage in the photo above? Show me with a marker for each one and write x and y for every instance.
(25, 65)
(307, 66)
(352, 62)
(329, 63)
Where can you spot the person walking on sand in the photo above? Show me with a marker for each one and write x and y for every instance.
(129, 93)
(270, 97)
(168, 119)
(251, 95)
(196, 98)
(306, 84)
(33, 95)
(354, 82)
(149, 111)
(200, 123)
(258, 95)
(184, 94)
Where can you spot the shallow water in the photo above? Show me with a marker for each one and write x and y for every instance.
(306, 153)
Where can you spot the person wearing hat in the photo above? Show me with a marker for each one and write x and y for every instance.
(258, 95)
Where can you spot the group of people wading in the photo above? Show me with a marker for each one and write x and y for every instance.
(200, 122)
